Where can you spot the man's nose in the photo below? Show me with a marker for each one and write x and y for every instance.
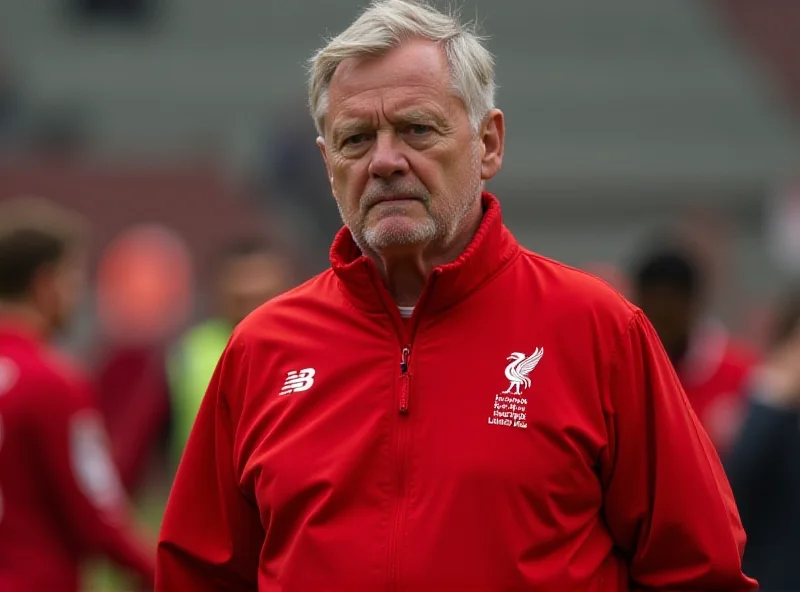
(387, 158)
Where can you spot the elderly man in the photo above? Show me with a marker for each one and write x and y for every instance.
(442, 410)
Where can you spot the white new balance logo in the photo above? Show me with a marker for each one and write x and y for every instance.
(297, 382)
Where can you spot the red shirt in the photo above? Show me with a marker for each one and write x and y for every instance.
(134, 401)
(715, 375)
(526, 431)
(61, 497)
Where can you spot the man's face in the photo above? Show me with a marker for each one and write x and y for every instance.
(247, 282)
(60, 289)
(405, 166)
(672, 314)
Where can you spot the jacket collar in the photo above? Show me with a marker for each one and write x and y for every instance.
(490, 249)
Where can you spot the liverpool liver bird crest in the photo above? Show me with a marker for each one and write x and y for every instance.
(519, 368)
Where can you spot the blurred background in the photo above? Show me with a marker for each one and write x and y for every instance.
(180, 129)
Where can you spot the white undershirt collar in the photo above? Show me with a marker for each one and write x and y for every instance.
(406, 311)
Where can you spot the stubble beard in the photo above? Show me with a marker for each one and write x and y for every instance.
(387, 234)
(442, 227)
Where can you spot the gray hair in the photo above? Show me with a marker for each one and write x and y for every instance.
(387, 23)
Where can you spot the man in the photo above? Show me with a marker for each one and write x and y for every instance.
(713, 366)
(764, 463)
(443, 410)
(61, 497)
(249, 273)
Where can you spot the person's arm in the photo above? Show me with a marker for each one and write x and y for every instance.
(668, 504)
(84, 483)
(211, 537)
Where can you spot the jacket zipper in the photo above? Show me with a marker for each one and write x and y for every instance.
(402, 436)
(404, 379)
(398, 518)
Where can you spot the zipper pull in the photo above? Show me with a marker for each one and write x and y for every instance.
(404, 380)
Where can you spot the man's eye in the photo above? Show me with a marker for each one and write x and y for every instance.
(355, 140)
(419, 129)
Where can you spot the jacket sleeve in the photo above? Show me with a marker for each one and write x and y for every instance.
(668, 504)
(84, 483)
(757, 454)
(211, 536)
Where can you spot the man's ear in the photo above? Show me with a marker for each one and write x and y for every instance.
(492, 138)
(323, 150)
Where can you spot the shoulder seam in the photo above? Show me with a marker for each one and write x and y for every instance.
(607, 372)
(541, 258)
(634, 317)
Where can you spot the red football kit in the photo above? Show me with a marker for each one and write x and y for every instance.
(60, 498)
(523, 431)
(715, 376)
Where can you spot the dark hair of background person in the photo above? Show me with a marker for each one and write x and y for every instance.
(245, 246)
(34, 234)
(668, 266)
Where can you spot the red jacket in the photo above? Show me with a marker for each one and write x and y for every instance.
(715, 376)
(61, 498)
(525, 431)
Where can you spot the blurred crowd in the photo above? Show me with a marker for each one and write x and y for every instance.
(174, 256)
(148, 383)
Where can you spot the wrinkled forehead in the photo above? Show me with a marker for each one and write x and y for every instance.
(416, 70)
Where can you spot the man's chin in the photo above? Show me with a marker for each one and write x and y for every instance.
(399, 232)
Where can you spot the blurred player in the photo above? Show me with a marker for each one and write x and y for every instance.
(764, 463)
(248, 273)
(713, 367)
(61, 500)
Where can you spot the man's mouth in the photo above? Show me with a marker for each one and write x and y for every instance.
(395, 198)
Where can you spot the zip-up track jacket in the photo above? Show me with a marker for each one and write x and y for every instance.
(523, 431)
